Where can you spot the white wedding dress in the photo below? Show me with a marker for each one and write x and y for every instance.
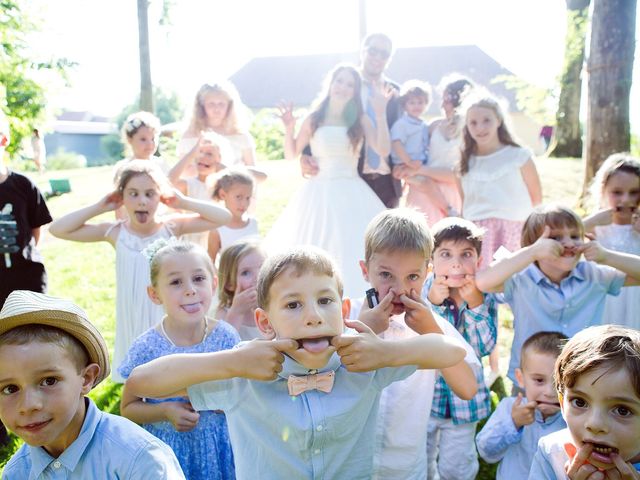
(332, 209)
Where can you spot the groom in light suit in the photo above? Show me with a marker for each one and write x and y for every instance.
(375, 54)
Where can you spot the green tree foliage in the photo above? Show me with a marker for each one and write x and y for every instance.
(22, 98)
(268, 133)
(538, 102)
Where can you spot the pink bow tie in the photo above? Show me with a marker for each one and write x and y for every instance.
(316, 381)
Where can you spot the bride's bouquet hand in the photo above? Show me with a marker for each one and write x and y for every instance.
(285, 113)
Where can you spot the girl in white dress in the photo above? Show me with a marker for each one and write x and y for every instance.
(616, 189)
(141, 188)
(218, 108)
(205, 159)
(234, 187)
(333, 208)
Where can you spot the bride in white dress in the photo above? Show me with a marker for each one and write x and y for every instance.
(334, 207)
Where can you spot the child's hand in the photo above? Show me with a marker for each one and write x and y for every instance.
(174, 198)
(111, 201)
(439, 290)
(546, 248)
(377, 318)
(380, 96)
(400, 172)
(285, 113)
(469, 292)
(601, 218)
(593, 251)
(181, 415)
(360, 353)
(418, 316)
(415, 164)
(262, 359)
(523, 414)
(244, 302)
(623, 471)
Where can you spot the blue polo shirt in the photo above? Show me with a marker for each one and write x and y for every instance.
(108, 446)
(315, 435)
(539, 305)
(413, 133)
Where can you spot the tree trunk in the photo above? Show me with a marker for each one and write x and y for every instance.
(568, 135)
(610, 68)
(146, 87)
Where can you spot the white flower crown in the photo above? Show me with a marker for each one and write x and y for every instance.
(133, 124)
(151, 250)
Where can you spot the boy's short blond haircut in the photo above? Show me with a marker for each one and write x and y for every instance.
(301, 260)
(606, 346)
(399, 229)
(554, 215)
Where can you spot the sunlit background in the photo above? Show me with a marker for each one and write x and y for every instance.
(206, 40)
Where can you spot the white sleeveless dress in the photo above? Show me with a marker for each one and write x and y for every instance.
(135, 312)
(332, 209)
(625, 308)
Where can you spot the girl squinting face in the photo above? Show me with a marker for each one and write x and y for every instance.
(143, 143)
(237, 198)
(622, 193)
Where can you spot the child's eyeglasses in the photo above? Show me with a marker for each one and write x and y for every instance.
(378, 52)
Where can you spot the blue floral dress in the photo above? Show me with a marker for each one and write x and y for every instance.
(204, 452)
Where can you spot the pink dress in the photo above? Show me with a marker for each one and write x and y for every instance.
(443, 153)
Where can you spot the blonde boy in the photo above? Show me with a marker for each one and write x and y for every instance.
(398, 247)
(51, 356)
(598, 383)
(302, 414)
(511, 434)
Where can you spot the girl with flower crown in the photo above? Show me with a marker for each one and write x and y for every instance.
(182, 282)
(140, 189)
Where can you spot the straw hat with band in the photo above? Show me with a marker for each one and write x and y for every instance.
(23, 307)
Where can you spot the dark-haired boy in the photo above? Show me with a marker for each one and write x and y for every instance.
(452, 291)
(511, 434)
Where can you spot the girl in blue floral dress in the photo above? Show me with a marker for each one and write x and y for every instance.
(182, 281)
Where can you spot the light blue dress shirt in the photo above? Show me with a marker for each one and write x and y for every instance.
(551, 457)
(315, 435)
(539, 305)
(413, 133)
(500, 440)
(108, 447)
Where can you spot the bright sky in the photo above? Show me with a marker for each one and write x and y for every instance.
(212, 39)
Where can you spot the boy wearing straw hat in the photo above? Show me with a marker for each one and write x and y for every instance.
(51, 356)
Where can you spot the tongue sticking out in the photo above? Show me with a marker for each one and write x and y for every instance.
(191, 307)
(142, 217)
(315, 345)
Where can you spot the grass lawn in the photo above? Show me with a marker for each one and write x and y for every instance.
(86, 272)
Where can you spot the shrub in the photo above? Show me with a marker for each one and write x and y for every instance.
(63, 160)
(268, 132)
